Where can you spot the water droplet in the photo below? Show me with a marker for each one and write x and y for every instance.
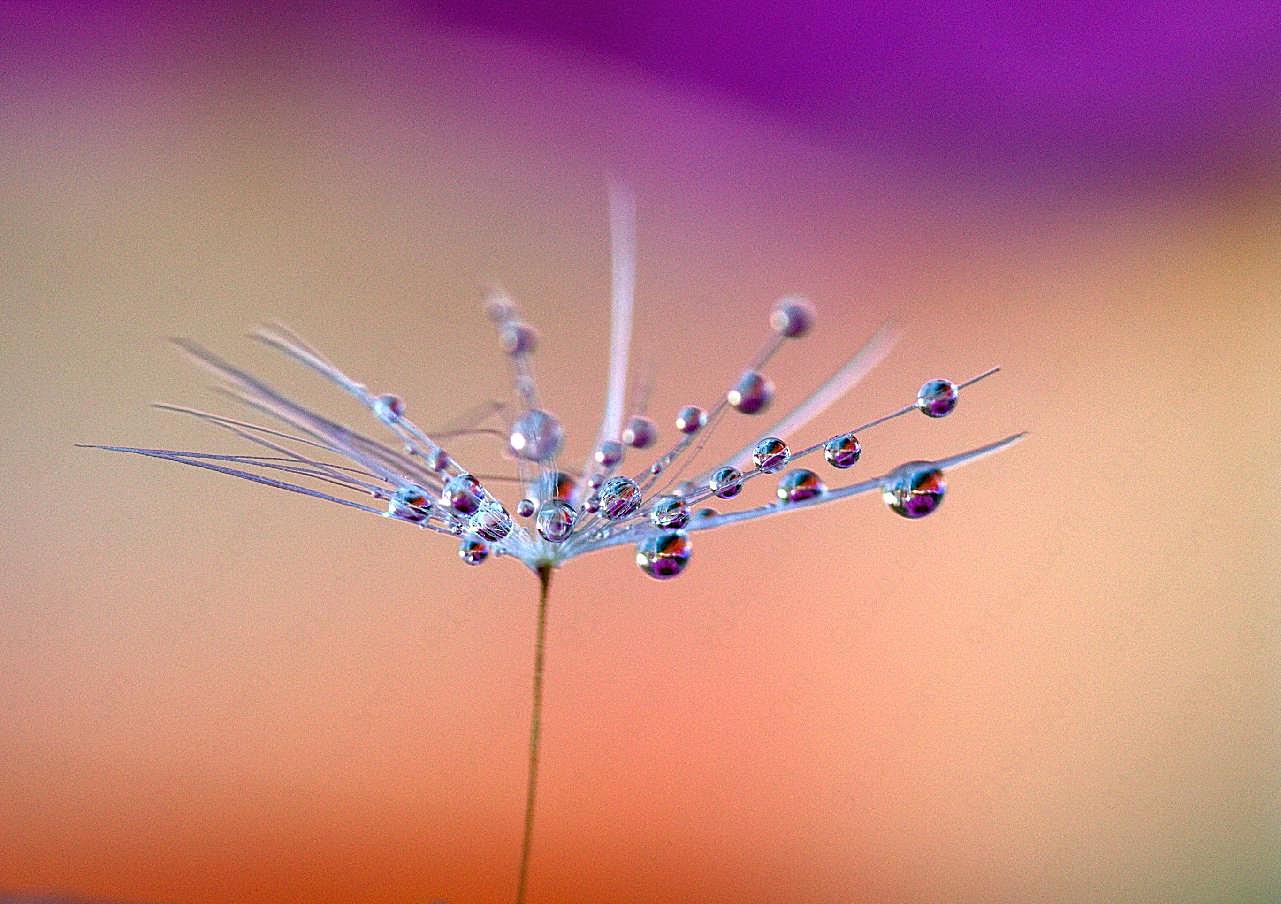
(705, 513)
(792, 317)
(536, 435)
(438, 459)
(525, 508)
(726, 483)
(490, 522)
(609, 453)
(389, 408)
(669, 512)
(915, 489)
(690, 419)
(518, 338)
(842, 451)
(937, 398)
(556, 521)
(771, 455)
(462, 493)
(595, 481)
(752, 393)
(619, 497)
(799, 485)
(556, 485)
(640, 432)
(593, 503)
(473, 551)
(409, 504)
(663, 556)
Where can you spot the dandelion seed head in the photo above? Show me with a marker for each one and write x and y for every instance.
(412, 479)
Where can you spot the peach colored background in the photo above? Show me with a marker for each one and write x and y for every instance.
(1060, 688)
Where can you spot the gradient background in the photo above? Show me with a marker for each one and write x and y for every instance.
(1063, 687)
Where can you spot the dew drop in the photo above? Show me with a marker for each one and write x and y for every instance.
(609, 453)
(473, 551)
(595, 480)
(490, 522)
(752, 393)
(640, 432)
(438, 460)
(409, 504)
(771, 455)
(593, 503)
(842, 451)
(915, 489)
(389, 408)
(663, 556)
(799, 485)
(669, 512)
(619, 497)
(726, 483)
(690, 419)
(518, 338)
(937, 398)
(556, 521)
(536, 435)
(525, 508)
(792, 317)
(556, 485)
(462, 494)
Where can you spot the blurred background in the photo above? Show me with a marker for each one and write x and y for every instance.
(1061, 687)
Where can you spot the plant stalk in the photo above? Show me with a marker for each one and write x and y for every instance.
(535, 729)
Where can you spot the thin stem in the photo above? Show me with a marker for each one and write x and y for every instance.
(535, 729)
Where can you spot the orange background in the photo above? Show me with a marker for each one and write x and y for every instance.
(1062, 687)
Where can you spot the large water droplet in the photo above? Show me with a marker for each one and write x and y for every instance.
(799, 485)
(669, 512)
(619, 497)
(915, 489)
(842, 451)
(937, 398)
(609, 453)
(690, 419)
(409, 504)
(726, 483)
(389, 408)
(490, 522)
(536, 435)
(792, 317)
(473, 550)
(771, 455)
(640, 432)
(462, 493)
(751, 394)
(663, 556)
(555, 521)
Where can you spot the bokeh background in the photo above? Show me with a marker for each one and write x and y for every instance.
(1062, 687)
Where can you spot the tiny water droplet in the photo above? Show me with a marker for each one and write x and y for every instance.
(663, 556)
(490, 522)
(915, 489)
(752, 393)
(842, 451)
(438, 459)
(556, 485)
(389, 408)
(640, 432)
(556, 521)
(690, 419)
(726, 483)
(536, 435)
(473, 551)
(609, 453)
(705, 513)
(518, 338)
(593, 503)
(799, 485)
(525, 508)
(595, 481)
(937, 398)
(619, 497)
(771, 455)
(409, 504)
(792, 317)
(669, 512)
(462, 493)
